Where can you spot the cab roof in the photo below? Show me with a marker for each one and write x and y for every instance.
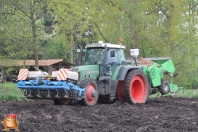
(101, 44)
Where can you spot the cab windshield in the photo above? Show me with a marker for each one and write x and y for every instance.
(94, 56)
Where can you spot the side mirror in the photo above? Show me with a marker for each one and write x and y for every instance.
(68, 55)
(112, 53)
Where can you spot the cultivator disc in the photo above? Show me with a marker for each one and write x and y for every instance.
(52, 94)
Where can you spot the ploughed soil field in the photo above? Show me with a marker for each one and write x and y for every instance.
(165, 114)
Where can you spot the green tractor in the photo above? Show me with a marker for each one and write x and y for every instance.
(104, 76)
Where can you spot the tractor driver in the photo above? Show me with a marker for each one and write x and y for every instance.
(95, 56)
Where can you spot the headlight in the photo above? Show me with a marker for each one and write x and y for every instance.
(72, 75)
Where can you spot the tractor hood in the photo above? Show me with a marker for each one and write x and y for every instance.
(85, 71)
(87, 68)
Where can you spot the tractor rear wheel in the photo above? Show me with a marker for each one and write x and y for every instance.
(91, 93)
(120, 92)
(164, 88)
(136, 87)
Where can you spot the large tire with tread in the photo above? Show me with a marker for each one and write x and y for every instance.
(120, 92)
(91, 93)
(136, 87)
(164, 88)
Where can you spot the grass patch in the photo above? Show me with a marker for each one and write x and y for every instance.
(185, 93)
(9, 92)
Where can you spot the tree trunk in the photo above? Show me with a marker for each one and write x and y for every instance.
(72, 41)
(134, 25)
(133, 31)
(34, 35)
(122, 20)
(100, 32)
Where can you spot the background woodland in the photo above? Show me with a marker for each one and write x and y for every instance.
(49, 29)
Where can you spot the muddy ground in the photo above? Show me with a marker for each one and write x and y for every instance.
(165, 114)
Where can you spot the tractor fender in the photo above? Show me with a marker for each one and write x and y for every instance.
(124, 70)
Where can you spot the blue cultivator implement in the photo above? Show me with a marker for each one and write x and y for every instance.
(37, 85)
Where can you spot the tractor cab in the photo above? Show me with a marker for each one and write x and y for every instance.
(107, 56)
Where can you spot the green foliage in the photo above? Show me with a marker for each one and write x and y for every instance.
(184, 93)
(162, 30)
(187, 93)
(17, 35)
(56, 48)
(10, 73)
(158, 28)
(69, 21)
(19, 44)
(9, 92)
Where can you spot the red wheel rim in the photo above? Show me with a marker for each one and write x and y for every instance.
(90, 99)
(120, 91)
(138, 89)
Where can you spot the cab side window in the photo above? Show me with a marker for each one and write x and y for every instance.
(115, 59)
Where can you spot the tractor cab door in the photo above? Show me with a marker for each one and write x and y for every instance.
(115, 57)
(113, 61)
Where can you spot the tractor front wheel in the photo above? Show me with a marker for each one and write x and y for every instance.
(136, 87)
(91, 93)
